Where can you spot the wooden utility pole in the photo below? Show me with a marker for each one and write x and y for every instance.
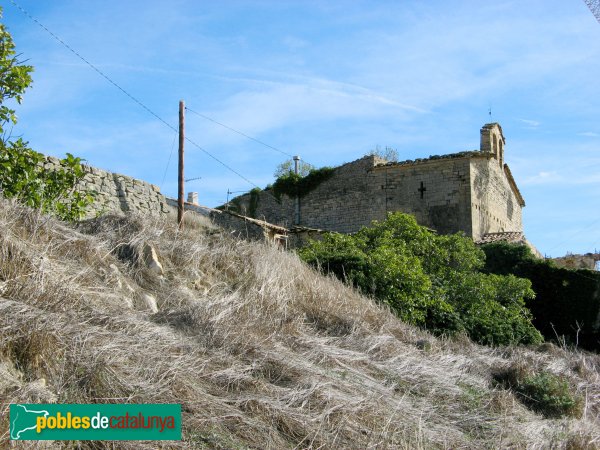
(181, 180)
(297, 202)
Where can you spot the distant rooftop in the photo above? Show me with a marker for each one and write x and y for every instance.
(513, 237)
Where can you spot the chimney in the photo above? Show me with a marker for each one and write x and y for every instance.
(192, 198)
(296, 162)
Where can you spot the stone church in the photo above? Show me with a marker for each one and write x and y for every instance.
(472, 191)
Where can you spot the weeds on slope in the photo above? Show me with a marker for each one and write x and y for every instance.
(260, 350)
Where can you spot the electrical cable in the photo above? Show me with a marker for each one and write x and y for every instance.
(168, 162)
(138, 102)
(244, 134)
(102, 74)
(581, 230)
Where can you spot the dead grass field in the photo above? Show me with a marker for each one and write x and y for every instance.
(261, 351)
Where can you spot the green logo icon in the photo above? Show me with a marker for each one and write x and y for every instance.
(95, 422)
(24, 419)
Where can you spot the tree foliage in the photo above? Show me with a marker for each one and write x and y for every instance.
(567, 302)
(287, 167)
(388, 153)
(22, 174)
(429, 280)
(15, 77)
(297, 185)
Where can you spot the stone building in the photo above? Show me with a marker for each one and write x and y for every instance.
(473, 192)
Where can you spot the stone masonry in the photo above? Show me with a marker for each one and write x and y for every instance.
(117, 193)
(473, 192)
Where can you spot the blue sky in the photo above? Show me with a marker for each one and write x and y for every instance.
(328, 81)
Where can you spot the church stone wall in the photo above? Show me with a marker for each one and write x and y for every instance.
(471, 191)
(347, 201)
(436, 192)
(344, 202)
(494, 205)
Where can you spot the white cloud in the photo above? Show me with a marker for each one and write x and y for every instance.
(542, 178)
(267, 105)
(327, 80)
(294, 43)
(530, 123)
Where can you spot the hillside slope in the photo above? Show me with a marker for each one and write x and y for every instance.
(261, 351)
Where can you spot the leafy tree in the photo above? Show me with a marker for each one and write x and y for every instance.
(388, 153)
(15, 77)
(287, 168)
(297, 185)
(429, 280)
(22, 174)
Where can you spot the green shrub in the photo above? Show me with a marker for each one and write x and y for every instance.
(543, 392)
(296, 185)
(253, 203)
(23, 176)
(566, 301)
(21, 172)
(549, 395)
(429, 280)
(15, 77)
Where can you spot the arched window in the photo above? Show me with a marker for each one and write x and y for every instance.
(500, 153)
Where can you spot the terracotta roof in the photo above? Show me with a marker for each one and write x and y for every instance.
(504, 236)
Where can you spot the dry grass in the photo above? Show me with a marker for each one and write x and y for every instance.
(261, 351)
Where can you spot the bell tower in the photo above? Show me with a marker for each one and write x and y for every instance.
(492, 141)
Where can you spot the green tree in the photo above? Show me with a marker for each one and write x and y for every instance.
(22, 174)
(429, 280)
(388, 153)
(15, 77)
(298, 185)
(287, 168)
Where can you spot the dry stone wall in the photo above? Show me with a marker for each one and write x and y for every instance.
(117, 193)
(588, 261)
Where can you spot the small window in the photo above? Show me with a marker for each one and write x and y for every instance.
(500, 153)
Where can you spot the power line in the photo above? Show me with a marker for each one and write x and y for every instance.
(102, 74)
(169, 161)
(222, 163)
(581, 230)
(243, 134)
(138, 102)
